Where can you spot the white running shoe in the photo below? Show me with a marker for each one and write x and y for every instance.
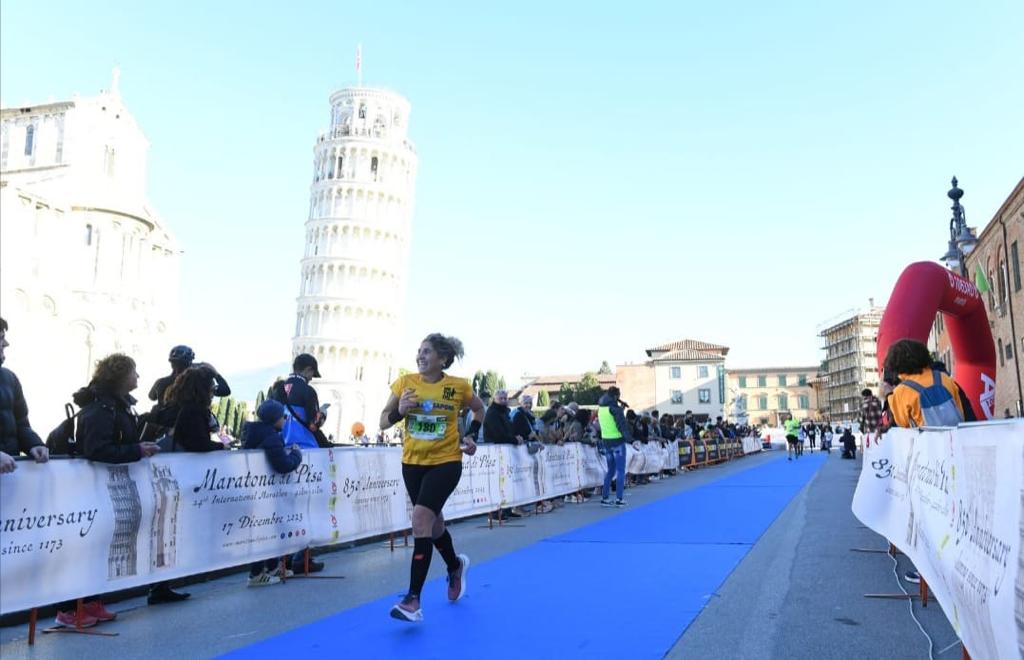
(263, 579)
(408, 610)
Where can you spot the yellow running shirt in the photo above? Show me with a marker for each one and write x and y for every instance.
(432, 427)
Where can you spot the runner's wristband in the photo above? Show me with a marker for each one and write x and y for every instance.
(394, 417)
(474, 428)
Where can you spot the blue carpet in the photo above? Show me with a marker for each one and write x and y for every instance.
(625, 587)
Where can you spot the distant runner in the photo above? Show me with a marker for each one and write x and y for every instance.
(792, 438)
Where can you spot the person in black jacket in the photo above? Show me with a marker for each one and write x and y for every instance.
(498, 424)
(265, 434)
(190, 396)
(301, 400)
(108, 432)
(108, 428)
(181, 358)
(523, 421)
(16, 434)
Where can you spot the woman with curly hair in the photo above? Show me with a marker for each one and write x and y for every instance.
(108, 432)
(429, 403)
(108, 428)
(919, 382)
(190, 396)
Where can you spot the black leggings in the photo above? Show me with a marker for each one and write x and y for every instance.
(431, 485)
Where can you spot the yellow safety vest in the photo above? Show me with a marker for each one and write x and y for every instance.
(609, 429)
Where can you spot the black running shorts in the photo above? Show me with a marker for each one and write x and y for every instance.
(431, 485)
(792, 439)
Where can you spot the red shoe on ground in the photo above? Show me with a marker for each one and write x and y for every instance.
(68, 619)
(95, 608)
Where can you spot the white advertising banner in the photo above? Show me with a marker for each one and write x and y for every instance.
(71, 528)
(751, 445)
(951, 500)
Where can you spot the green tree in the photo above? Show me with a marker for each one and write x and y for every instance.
(260, 398)
(492, 382)
(566, 393)
(588, 390)
(543, 400)
(605, 369)
(478, 380)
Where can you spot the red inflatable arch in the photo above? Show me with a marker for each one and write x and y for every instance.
(926, 288)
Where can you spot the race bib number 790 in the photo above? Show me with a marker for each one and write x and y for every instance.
(427, 427)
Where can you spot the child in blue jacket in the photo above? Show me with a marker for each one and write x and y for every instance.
(265, 434)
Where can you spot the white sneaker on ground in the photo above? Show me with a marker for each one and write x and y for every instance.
(263, 579)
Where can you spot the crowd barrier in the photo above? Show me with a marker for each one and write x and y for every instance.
(952, 501)
(73, 528)
(699, 452)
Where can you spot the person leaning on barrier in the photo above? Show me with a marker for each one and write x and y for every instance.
(16, 434)
(108, 428)
(523, 421)
(925, 396)
(190, 396)
(108, 432)
(497, 423)
(265, 434)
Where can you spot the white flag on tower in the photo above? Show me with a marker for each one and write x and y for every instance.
(359, 61)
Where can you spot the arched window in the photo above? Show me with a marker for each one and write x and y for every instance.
(341, 161)
(362, 111)
(88, 234)
(373, 167)
(30, 138)
(1001, 278)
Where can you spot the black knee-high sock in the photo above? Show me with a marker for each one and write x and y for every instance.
(422, 551)
(444, 546)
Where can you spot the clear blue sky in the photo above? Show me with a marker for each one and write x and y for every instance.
(595, 178)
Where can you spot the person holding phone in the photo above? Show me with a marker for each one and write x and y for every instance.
(428, 402)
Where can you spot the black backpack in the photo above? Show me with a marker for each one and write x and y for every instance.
(61, 441)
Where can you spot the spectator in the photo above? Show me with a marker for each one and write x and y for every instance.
(265, 434)
(181, 358)
(524, 424)
(497, 423)
(301, 402)
(191, 396)
(552, 424)
(108, 432)
(849, 444)
(108, 428)
(925, 396)
(303, 426)
(16, 434)
(870, 416)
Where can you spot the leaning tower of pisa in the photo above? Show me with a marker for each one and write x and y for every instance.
(356, 263)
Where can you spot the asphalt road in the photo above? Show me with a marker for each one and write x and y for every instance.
(799, 593)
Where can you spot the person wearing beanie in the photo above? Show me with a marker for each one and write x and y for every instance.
(265, 434)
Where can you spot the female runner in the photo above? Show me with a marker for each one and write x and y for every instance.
(429, 402)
